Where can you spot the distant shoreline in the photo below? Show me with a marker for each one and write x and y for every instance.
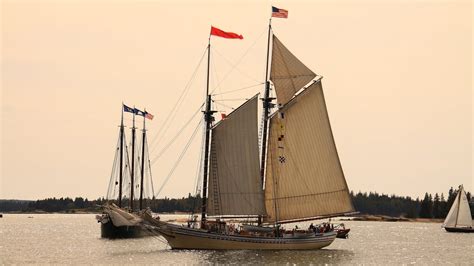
(360, 218)
(384, 218)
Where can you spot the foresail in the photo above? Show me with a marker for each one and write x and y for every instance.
(464, 216)
(450, 220)
(288, 73)
(235, 187)
(304, 177)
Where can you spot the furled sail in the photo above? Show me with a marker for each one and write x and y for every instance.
(460, 214)
(288, 73)
(304, 177)
(235, 187)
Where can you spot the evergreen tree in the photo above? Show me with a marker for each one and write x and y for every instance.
(442, 206)
(426, 210)
(437, 212)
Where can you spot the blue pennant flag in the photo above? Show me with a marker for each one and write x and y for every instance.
(128, 109)
(139, 112)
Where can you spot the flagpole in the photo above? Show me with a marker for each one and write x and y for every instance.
(267, 104)
(121, 161)
(208, 118)
(143, 161)
(133, 161)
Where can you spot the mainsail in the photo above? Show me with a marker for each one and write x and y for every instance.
(304, 176)
(235, 187)
(288, 73)
(460, 214)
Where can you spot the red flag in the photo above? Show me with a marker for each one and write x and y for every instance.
(223, 34)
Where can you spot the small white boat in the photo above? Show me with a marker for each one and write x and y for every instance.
(459, 218)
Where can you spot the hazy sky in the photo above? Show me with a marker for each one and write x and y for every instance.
(398, 82)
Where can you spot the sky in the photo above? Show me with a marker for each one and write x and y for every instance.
(398, 82)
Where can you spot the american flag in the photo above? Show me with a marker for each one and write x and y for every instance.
(148, 115)
(279, 13)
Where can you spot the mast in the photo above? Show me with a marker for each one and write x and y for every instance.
(133, 162)
(459, 205)
(267, 104)
(143, 162)
(208, 118)
(121, 161)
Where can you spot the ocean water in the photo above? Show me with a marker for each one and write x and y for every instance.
(75, 239)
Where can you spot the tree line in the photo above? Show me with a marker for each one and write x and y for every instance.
(430, 206)
(371, 203)
(69, 205)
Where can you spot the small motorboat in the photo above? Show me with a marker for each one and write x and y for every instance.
(342, 231)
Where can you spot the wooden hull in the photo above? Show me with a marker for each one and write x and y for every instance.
(459, 229)
(187, 238)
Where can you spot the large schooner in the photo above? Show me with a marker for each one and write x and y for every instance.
(118, 220)
(459, 218)
(298, 176)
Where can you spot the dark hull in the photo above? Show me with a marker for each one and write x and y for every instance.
(108, 230)
(343, 233)
(459, 230)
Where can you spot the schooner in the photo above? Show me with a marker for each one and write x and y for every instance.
(296, 176)
(118, 221)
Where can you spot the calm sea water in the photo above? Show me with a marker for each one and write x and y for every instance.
(75, 238)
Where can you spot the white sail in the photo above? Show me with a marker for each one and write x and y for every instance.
(464, 216)
(460, 214)
(304, 177)
(450, 220)
(121, 217)
(288, 73)
(235, 186)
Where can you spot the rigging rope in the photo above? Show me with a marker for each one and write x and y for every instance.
(113, 177)
(234, 66)
(225, 105)
(234, 99)
(155, 141)
(244, 88)
(162, 151)
(183, 152)
(197, 179)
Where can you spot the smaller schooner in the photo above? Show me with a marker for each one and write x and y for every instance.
(116, 220)
(459, 218)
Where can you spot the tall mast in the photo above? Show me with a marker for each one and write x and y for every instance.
(208, 118)
(143, 162)
(267, 104)
(121, 161)
(458, 198)
(133, 162)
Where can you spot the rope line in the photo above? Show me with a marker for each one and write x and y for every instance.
(238, 61)
(183, 152)
(244, 88)
(181, 130)
(155, 141)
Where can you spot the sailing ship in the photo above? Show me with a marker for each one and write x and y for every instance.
(298, 176)
(459, 218)
(116, 220)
